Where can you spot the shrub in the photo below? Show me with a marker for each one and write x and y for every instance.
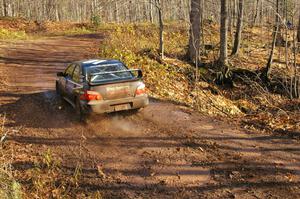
(96, 20)
(9, 187)
(8, 34)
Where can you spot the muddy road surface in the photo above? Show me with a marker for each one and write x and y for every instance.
(163, 151)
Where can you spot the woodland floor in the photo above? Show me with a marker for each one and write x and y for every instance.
(164, 151)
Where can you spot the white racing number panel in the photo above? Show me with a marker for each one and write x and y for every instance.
(115, 91)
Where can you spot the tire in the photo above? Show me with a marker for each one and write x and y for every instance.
(81, 116)
(60, 100)
(57, 89)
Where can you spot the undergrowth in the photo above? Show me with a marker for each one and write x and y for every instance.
(6, 34)
(42, 176)
(174, 78)
(24, 174)
(71, 31)
(170, 79)
(9, 187)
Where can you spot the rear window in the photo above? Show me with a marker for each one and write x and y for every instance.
(108, 72)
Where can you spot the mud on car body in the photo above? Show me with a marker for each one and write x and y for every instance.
(101, 86)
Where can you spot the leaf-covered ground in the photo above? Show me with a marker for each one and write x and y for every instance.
(160, 131)
(174, 78)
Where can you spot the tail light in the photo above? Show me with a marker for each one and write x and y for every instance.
(141, 89)
(90, 96)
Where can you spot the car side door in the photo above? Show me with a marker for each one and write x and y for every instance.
(63, 79)
(74, 84)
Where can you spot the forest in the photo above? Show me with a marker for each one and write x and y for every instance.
(222, 76)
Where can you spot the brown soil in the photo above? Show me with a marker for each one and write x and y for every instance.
(163, 151)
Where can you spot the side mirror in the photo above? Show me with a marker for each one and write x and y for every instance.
(60, 74)
(140, 74)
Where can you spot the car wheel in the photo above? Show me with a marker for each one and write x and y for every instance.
(57, 89)
(60, 100)
(79, 112)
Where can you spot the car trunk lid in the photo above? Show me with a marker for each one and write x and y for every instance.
(116, 90)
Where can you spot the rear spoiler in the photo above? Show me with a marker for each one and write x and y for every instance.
(139, 75)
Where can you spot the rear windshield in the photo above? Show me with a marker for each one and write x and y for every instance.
(95, 73)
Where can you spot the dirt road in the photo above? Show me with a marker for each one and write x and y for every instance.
(164, 151)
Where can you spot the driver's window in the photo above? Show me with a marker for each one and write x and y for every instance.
(69, 70)
(76, 75)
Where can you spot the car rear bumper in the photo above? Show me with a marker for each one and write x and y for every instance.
(108, 106)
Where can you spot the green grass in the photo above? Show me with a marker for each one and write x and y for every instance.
(12, 35)
(9, 188)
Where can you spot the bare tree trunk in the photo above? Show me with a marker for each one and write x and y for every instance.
(195, 31)
(6, 8)
(229, 15)
(117, 12)
(270, 60)
(159, 6)
(223, 34)
(239, 27)
(161, 34)
(234, 13)
(298, 32)
(56, 11)
(151, 11)
(286, 34)
(296, 83)
(256, 13)
(261, 14)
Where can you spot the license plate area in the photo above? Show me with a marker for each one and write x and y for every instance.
(121, 107)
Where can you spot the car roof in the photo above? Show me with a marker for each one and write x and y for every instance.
(95, 62)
